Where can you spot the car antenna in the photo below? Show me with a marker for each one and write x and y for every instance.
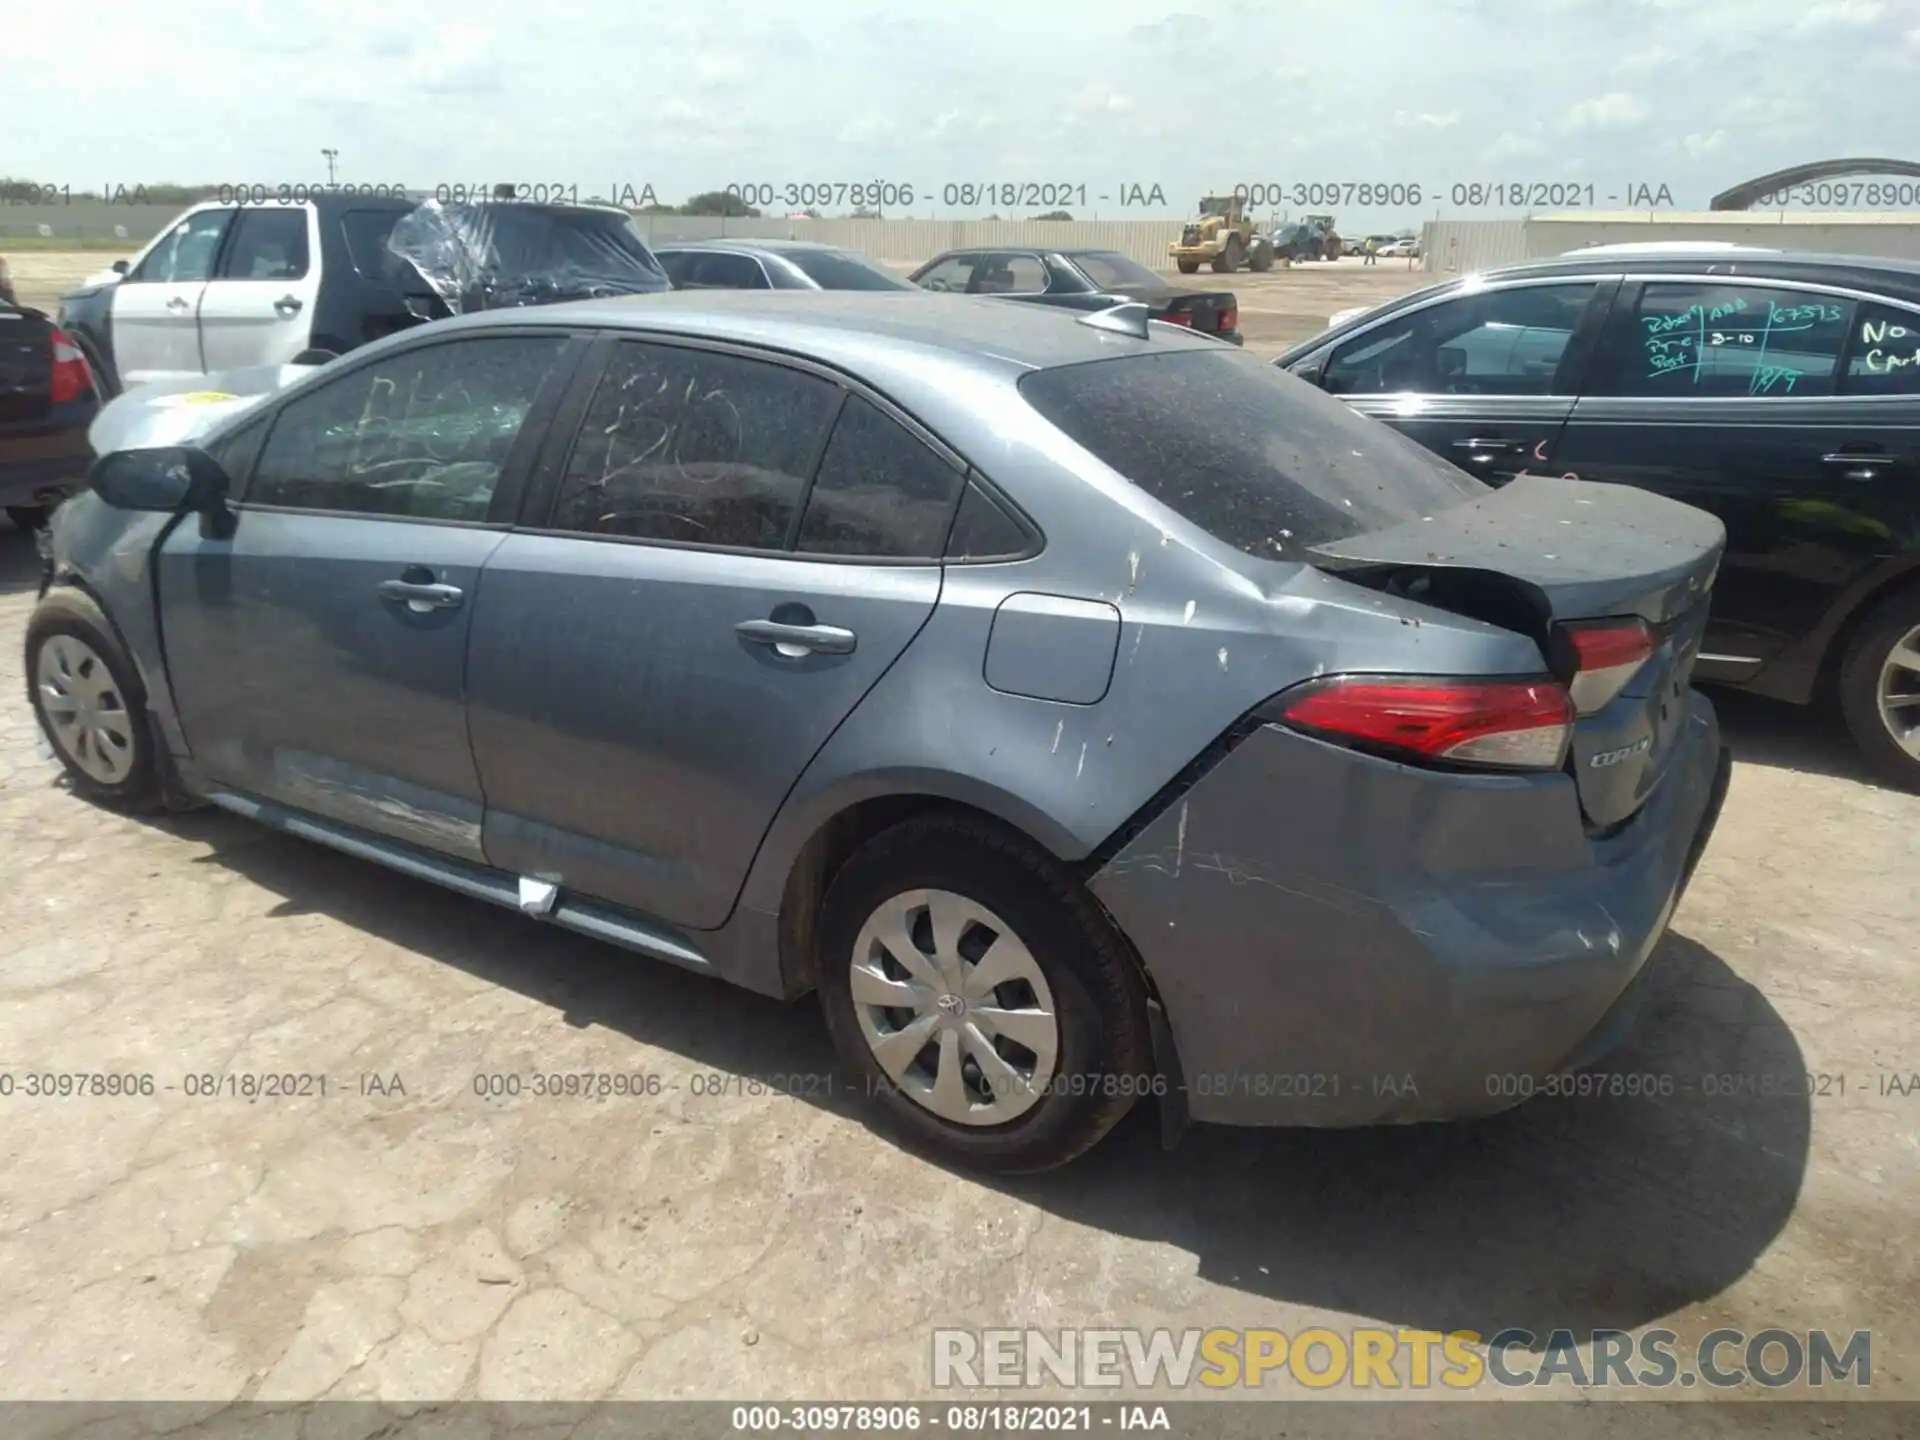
(1126, 318)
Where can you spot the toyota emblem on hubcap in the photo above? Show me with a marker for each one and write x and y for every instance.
(952, 1006)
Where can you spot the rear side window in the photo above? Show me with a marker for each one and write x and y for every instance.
(267, 244)
(1714, 341)
(880, 491)
(1886, 353)
(1249, 454)
(366, 232)
(842, 270)
(696, 447)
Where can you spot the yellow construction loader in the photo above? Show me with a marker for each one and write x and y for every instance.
(1223, 237)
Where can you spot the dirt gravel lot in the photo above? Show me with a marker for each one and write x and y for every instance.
(404, 1238)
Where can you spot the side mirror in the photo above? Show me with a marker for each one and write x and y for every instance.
(120, 267)
(172, 479)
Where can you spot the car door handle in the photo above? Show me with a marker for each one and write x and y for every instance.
(287, 305)
(1863, 465)
(1491, 445)
(420, 597)
(794, 641)
(179, 302)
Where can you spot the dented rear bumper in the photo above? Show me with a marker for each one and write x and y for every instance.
(1341, 940)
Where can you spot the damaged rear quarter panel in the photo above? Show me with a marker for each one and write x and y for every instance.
(1207, 633)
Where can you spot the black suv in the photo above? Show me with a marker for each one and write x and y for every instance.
(1781, 392)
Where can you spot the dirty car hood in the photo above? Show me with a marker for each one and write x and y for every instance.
(185, 412)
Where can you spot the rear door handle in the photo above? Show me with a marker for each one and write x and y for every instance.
(1492, 445)
(420, 598)
(795, 641)
(1863, 464)
(179, 302)
(288, 305)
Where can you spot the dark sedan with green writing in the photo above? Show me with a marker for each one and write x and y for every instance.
(1779, 391)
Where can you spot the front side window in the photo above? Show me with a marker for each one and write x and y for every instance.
(1714, 340)
(1245, 451)
(880, 491)
(269, 243)
(695, 446)
(186, 254)
(1497, 342)
(1886, 353)
(423, 434)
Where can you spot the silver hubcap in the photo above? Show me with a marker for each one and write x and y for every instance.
(954, 1007)
(1899, 693)
(86, 715)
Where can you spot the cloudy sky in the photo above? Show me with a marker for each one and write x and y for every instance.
(1692, 94)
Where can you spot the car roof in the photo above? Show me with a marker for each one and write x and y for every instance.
(746, 245)
(1900, 278)
(860, 330)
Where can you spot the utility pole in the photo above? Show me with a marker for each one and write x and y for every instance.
(331, 155)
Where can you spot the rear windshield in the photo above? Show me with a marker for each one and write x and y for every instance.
(525, 239)
(838, 270)
(1256, 458)
(1109, 269)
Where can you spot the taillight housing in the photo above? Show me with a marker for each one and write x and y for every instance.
(72, 378)
(1230, 318)
(1597, 658)
(1482, 724)
(1177, 317)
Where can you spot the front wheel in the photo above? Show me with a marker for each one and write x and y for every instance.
(87, 696)
(1188, 267)
(979, 997)
(1880, 689)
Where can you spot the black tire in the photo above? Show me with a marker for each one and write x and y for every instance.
(316, 356)
(1886, 626)
(1188, 267)
(1104, 1059)
(74, 613)
(1228, 260)
(28, 517)
(1260, 259)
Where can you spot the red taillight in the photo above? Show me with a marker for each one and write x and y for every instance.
(71, 377)
(1602, 658)
(1505, 724)
(1178, 317)
(1230, 318)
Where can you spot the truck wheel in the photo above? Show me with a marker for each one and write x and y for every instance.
(1260, 258)
(1880, 689)
(1228, 260)
(1187, 267)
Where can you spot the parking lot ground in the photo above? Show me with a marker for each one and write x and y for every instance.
(404, 1236)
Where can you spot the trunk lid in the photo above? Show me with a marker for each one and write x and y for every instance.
(1209, 311)
(26, 366)
(1540, 555)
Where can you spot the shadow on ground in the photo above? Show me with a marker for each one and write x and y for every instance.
(1579, 1213)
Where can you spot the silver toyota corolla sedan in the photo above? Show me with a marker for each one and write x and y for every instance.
(1084, 709)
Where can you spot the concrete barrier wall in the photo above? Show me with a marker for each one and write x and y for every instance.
(1464, 246)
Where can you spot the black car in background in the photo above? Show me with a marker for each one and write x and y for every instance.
(771, 265)
(1081, 280)
(1779, 391)
(48, 398)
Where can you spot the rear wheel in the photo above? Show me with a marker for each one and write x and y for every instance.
(1880, 689)
(1188, 267)
(979, 997)
(1260, 257)
(88, 699)
(1229, 258)
(28, 517)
